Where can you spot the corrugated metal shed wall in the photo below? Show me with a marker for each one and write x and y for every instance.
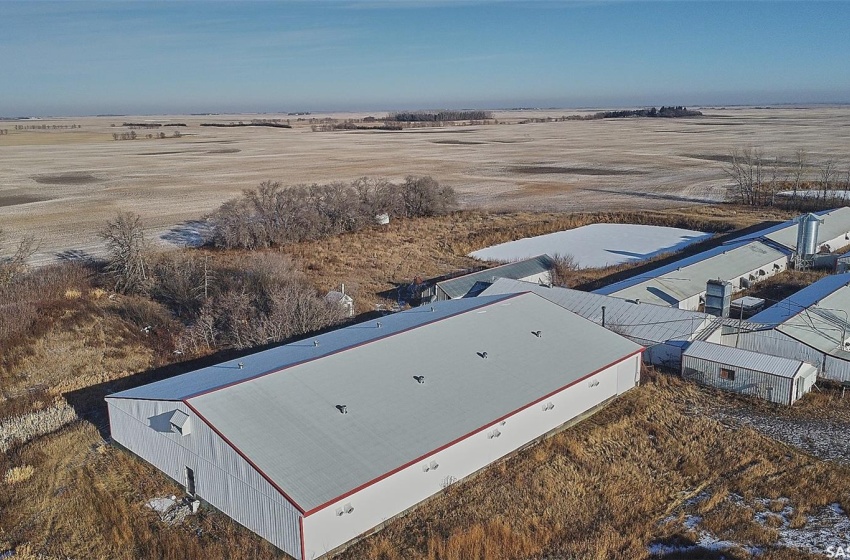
(747, 381)
(776, 344)
(222, 477)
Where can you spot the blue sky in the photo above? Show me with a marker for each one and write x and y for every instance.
(75, 58)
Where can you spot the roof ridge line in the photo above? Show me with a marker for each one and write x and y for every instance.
(349, 347)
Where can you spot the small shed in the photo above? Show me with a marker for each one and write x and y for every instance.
(345, 301)
(775, 379)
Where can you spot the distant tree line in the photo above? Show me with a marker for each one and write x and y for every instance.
(131, 125)
(132, 135)
(273, 123)
(652, 112)
(272, 215)
(47, 126)
(441, 116)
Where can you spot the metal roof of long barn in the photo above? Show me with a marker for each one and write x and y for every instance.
(818, 315)
(836, 222)
(686, 278)
(288, 424)
(643, 323)
(739, 358)
(464, 285)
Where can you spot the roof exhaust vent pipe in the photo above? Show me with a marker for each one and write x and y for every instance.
(241, 365)
(315, 343)
(419, 379)
(538, 334)
(483, 354)
(432, 309)
(378, 324)
(342, 408)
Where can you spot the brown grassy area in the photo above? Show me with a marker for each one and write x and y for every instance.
(601, 488)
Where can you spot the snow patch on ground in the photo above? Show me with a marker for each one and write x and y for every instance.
(597, 245)
(816, 194)
(170, 510)
(828, 526)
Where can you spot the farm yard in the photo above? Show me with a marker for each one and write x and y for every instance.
(61, 185)
(652, 475)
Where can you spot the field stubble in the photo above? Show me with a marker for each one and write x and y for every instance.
(62, 185)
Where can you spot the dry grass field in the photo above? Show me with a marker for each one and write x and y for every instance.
(62, 185)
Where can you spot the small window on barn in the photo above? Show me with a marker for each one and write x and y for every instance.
(727, 374)
(181, 423)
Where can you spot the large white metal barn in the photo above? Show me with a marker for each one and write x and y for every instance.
(314, 443)
(682, 284)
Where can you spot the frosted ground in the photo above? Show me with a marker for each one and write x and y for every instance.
(597, 245)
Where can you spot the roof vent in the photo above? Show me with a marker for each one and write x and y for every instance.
(315, 343)
(432, 309)
(342, 408)
(433, 465)
(378, 324)
(548, 406)
(241, 365)
(483, 354)
(419, 378)
(348, 508)
(538, 334)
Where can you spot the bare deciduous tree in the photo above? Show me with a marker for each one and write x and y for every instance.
(826, 172)
(746, 171)
(800, 166)
(564, 270)
(16, 263)
(127, 248)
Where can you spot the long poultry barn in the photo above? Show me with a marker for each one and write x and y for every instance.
(315, 443)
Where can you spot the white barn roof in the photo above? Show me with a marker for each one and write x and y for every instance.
(643, 323)
(280, 411)
(683, 279)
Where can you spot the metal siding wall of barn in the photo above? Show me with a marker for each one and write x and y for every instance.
(774, 343)
(222, 478)
(836, 369)
(325, 531)
(747, 381)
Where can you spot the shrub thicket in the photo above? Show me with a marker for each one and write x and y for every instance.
(271, 215)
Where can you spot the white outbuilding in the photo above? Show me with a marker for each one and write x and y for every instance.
(316, 443)
(775, 379)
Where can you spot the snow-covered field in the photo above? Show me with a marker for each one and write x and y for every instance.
(597, 245)
(816, 194)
